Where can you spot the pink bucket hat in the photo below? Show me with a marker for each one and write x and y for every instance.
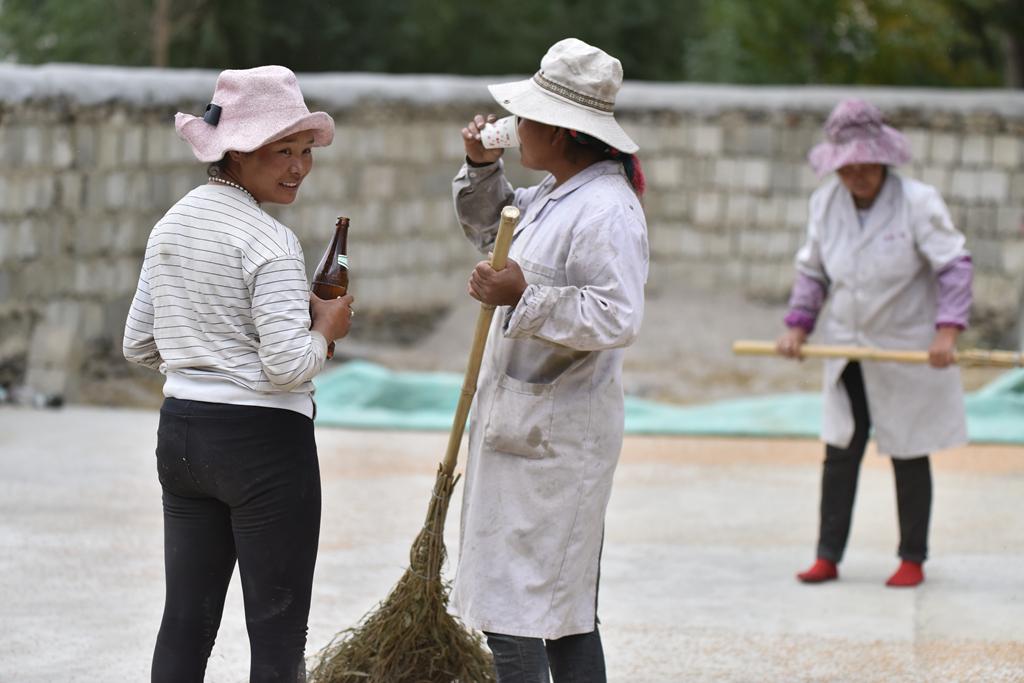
(856, 134)
(250, 108)
(575, 88)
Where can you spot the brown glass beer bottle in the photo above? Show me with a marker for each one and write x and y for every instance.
(330, 280)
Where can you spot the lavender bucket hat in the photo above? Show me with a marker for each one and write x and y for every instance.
(855, 133)
(250, 108)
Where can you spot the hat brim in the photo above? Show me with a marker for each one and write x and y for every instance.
(211, 143)
(889, 148)
(530, 101)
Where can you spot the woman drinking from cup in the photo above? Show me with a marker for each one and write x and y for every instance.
(548, 417)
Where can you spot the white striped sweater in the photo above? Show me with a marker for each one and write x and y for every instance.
(222, 306)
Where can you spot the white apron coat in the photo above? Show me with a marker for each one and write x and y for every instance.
(547, 422)
(882, 284)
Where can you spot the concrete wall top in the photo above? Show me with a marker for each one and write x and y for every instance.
(95, 85)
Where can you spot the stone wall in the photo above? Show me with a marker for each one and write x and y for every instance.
(90, 161)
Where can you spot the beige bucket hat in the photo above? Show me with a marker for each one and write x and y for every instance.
(575, 89)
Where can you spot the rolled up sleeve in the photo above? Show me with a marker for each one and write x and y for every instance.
(480, 193)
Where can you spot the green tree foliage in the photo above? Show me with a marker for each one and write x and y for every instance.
(110, 32)
(412, 36)
(997, 30)
(898, 42)
(913, 42)
(785, 41)
(902, 48)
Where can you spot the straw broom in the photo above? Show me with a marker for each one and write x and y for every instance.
(965, 357)
(411, 637)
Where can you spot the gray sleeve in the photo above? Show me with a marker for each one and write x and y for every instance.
(480, 193)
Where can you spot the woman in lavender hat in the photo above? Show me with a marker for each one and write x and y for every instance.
(223, 310)
(885, 249)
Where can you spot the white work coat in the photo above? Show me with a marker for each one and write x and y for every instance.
(547, 421)
(882, 282)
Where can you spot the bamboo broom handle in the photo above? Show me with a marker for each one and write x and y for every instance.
(745, 347)
(499, 257)
(975, 357)
(998, 359)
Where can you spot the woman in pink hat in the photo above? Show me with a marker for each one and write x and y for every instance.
(549, 409)
(223, 309)
(885, 249)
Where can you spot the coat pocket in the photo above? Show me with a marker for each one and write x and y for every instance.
(520, 419)
(544, 275)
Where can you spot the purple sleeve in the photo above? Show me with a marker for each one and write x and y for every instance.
(805, 302)
(954, 301)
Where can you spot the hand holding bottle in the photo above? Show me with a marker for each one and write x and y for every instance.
(331, 317)
(330, 281)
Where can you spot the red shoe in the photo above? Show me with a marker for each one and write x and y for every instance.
(822, 570)
(908, 575)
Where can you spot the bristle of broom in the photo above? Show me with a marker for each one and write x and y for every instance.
(410, 637)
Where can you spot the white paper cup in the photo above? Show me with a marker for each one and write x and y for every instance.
(501, 134)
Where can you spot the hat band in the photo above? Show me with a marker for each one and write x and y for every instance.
(854, 130)
(561, 90)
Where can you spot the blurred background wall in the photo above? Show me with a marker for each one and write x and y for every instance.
(89, 160)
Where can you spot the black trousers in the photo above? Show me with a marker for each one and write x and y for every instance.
(239, 483)
(572, 659)
(839, 485)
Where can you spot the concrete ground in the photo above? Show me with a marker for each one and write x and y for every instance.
(703, 539)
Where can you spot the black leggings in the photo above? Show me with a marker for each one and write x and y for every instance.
(839, 485)
(239, 482)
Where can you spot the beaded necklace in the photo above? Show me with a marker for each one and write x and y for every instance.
(218, 179)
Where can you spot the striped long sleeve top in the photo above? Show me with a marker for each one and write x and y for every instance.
(222, 305)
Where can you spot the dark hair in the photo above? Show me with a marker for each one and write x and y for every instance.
(630, 162)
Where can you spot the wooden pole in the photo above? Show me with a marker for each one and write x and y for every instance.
(499, 257)
(966, 357)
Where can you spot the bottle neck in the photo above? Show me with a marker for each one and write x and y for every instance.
(339, 245)
(341, 241)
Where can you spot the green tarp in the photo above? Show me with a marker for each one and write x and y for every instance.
(368, 396)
